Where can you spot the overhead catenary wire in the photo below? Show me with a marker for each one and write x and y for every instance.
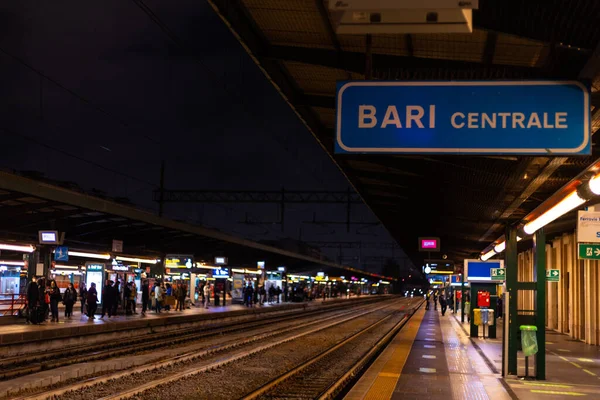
(79, 97)
(76, 157)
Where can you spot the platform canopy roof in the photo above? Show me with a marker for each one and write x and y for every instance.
(464, 200)
(92, 223)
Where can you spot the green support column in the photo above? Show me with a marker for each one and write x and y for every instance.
(539, 253)
(462, 297)
(511, 265)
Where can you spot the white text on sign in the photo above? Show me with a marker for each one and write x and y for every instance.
(425, 118)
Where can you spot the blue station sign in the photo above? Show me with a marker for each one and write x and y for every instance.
(495, 117)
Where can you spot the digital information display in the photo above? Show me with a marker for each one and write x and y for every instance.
(429, 244)
(48, 237)
(95, 274)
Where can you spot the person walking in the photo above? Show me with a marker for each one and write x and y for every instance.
(443, 304)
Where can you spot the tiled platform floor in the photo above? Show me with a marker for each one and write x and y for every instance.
(430, 359)
(572, 367)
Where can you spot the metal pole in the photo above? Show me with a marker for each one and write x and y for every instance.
(282, 209)
(368, 58)
(462, 298)
(539, 246)
(161, 200)
(348, 211)
(511, 264)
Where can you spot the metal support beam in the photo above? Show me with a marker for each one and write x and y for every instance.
(267, 196)
(409, 45)
(369, 57)
(539, 273)
(511, 265)
(490, 48)
(356, 62)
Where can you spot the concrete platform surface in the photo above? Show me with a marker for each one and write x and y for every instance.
(80, 325)
(572, 367)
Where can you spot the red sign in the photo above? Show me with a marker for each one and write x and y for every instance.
(483, 298)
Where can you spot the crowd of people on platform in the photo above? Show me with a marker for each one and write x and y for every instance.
(43, 297)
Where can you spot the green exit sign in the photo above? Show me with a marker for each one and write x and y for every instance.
(552, 275)
(589, 251)
(498, 274)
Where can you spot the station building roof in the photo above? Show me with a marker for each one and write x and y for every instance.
(90, 222)
(464, 200)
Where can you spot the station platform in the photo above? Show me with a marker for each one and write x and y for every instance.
(433, 358)
(80, 325)
(430, 358)
(572, 367)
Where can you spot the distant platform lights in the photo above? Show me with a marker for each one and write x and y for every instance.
(584, 192)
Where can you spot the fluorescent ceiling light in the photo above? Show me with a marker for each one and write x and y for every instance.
(15, 247)
(66, 267)
(564, 206)
(89, 255)
(18, 263)
(488, 255)
(594, 184)
(137, 260)
(500, 247)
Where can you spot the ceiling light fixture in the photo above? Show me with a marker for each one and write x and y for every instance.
(15, 247)
(567, 204)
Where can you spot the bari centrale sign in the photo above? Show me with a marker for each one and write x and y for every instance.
(463, 117)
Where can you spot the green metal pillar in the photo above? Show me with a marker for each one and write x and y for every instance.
(539, 254)
(462, 298)
(511, 265)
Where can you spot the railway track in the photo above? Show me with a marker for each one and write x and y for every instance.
(15, 366)
(205, 353)
(317, 379)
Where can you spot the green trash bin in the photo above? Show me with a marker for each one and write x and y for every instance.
(529, 339)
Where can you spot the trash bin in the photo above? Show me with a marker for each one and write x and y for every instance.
(491, 319)
(529, 339)
(477, 316)
(484, 316)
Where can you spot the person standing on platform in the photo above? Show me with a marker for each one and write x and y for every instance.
(133, 297)
(82, 296)
(69, 299)
(443, 304)
(33, 300)
(55, 297)
(427, 301)
(145, 296)
(92, 301)
(435, 301)
(206, 291)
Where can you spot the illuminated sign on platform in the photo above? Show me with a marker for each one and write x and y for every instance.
(476, 117)
(429, 244)
(179, 261)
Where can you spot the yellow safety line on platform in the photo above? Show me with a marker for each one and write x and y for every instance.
(558, 393)
(587, 371)
(385, 383)
(546, 385)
